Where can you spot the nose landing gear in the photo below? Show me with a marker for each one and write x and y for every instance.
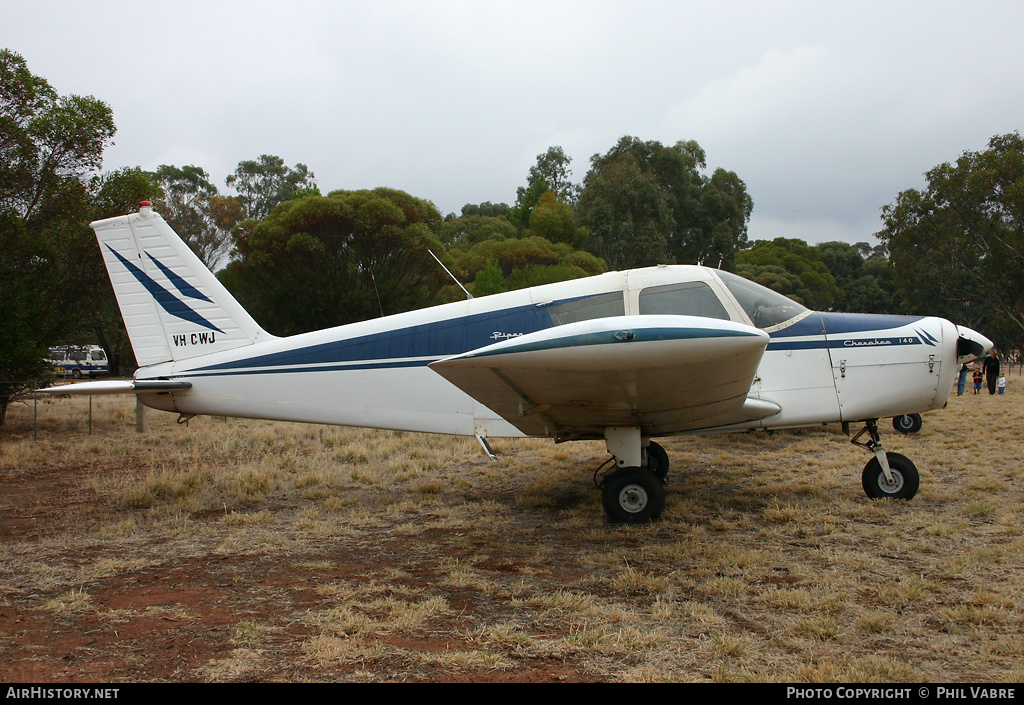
(887, 474)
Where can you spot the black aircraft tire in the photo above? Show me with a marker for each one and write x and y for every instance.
(908, 423)
(904, 472)
(657, 461)
(633, 496)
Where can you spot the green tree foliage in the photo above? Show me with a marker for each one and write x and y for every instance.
(553, 220)
(469, 230)
(863, 275)
(528, 198)
(265, 183)
(627, 213)
(790, 267)
(524, 262)
(114, 193)
(551, 173)
(487, 209)
(644, 203)
(317, 262)
(489, 280)
(193, 206)
(50, 267)
(553, 168)
(843, 260)
(720, 229)
(961, 239)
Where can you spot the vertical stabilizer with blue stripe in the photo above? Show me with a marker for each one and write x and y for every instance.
(173, 306)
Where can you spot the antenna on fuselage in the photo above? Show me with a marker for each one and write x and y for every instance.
(379, 304)
(468, 295)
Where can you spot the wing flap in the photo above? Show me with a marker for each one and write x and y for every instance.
(665, 373)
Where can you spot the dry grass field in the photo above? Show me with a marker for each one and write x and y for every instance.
(236, 550)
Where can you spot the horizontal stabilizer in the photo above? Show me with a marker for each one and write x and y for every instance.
(142, 386)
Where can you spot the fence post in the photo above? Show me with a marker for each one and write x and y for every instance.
(35, 412)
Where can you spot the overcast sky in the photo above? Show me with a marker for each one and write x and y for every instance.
(826, 110)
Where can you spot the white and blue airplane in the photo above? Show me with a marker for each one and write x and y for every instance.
(628, 357)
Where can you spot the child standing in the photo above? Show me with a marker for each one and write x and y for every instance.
(1001, 384)
(977, 380)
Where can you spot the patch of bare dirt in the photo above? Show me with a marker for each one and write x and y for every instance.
(251, 551)
(173, 617)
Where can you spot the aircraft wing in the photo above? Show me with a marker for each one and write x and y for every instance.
(666, 374)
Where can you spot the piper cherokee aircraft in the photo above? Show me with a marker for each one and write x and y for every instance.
(627, 357)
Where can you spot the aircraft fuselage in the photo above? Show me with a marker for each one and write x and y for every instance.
(817, 367)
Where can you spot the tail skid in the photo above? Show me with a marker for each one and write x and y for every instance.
(173, 306)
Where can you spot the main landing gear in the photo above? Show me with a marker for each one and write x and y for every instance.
(633, 492)
(887, 474)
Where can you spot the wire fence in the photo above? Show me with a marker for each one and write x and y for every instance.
(49, 415)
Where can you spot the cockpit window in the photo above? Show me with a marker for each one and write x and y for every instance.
(765, 307)
(683, 299)
(598, 306)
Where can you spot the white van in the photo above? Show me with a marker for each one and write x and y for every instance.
(78, 360)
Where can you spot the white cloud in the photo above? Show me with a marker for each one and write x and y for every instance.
(826, 111)
(814, 230)
(759, 101)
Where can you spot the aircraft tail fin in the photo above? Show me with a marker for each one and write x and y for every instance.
(173, 306)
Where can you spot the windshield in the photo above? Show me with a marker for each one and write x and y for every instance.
(765, 307)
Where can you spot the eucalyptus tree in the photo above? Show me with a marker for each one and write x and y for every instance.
(551, 173)
(193, 206)
(50, 267)
(321, 261)
(961, 239)
(644, 203)
(265, 183)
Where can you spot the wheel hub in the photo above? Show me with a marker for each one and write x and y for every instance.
(633, 498)
(891, 487)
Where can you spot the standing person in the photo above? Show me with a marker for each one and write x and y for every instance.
(1002, 383)
(977, 378)
(991, 368)
(962, 382)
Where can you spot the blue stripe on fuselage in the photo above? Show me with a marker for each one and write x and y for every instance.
(362, 365)
(818, 325)
(433, 340)
(838, 323)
